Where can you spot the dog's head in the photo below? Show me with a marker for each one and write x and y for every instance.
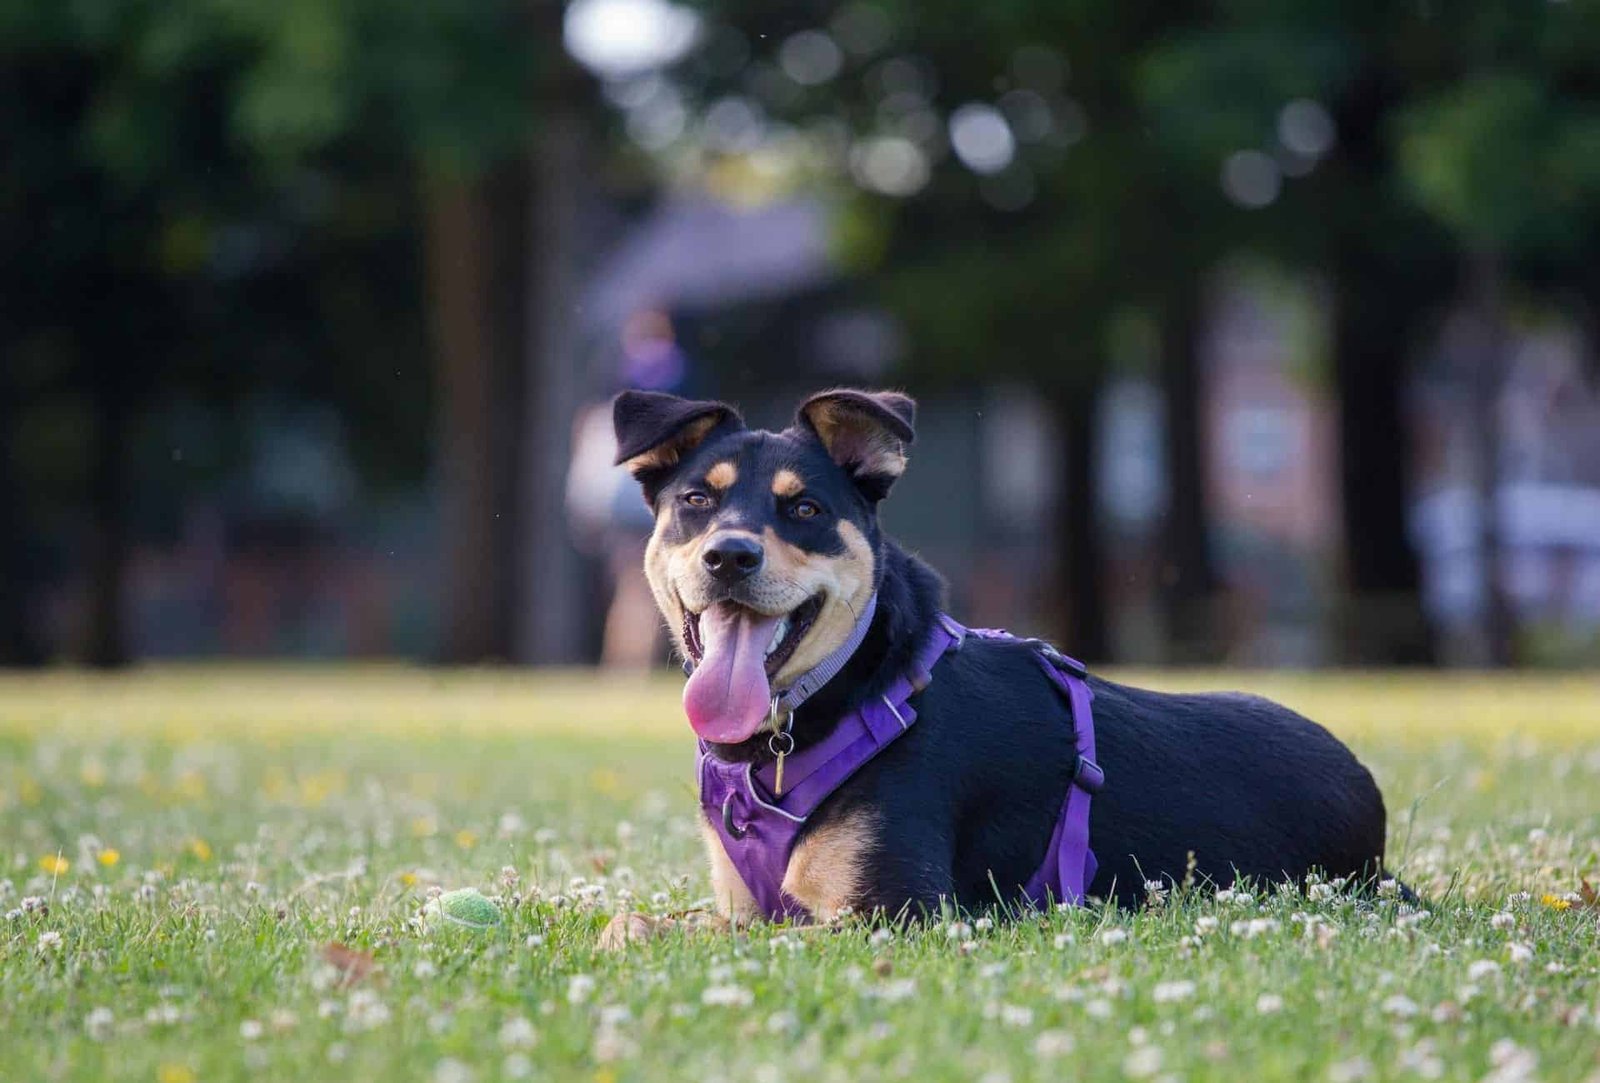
(766, 544)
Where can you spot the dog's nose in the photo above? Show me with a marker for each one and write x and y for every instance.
(732, 557)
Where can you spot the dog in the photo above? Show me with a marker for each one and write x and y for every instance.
(771, 570)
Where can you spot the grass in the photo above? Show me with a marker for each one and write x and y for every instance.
(200, 836)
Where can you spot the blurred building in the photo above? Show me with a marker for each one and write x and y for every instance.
(1546, 515)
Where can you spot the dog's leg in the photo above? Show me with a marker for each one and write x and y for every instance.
(734, 900)
(828, 870)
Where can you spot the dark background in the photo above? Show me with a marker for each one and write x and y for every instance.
(1229, 320)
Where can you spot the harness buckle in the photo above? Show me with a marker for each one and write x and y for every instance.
(1070, 666)
(1087, 775)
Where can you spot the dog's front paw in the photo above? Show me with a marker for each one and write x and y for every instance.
(625, 929)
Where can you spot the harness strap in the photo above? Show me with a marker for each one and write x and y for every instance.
(759, 828)
(813, 773)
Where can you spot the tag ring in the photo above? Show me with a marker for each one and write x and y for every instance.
(781, 743)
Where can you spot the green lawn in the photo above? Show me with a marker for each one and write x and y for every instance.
(199, 837)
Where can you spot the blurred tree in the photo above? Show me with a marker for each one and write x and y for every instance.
(999, 155)
(153, 141)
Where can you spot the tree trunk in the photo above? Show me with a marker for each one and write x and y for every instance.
(1079, 544)
(1485, 300)
(1384, 622)
(1189, 580)
(105, 645)
(459, 259)
(20, 643)
(550, 591)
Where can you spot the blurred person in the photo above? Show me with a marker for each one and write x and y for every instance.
(606, 515)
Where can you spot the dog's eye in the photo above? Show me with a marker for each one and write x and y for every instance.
(697, 499)
(806, 509)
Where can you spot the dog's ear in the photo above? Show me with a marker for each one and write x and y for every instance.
(654, 431)
(866, 432)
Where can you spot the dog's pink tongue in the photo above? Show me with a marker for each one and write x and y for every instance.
(727, 697)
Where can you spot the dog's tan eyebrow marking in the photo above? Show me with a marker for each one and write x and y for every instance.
(787, 483)
(722, 476)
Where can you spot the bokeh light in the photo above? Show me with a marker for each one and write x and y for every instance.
(981, 138)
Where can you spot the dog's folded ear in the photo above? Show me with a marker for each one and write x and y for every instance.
(654, 431)
(866, 432)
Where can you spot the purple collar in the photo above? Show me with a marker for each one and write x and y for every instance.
(759, 829)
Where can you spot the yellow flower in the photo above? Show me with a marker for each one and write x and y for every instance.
(466, 839)
(174, 1073)
(108, 857)
(1556, 902)
(55, 864)
(408, 879)
(93, 775)
(200, 849)
(29, 791)
(423, 826)
(606, 782)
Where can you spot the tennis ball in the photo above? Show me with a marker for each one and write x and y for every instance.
(467, 907)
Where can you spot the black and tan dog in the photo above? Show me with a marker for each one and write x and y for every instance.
(765, 551)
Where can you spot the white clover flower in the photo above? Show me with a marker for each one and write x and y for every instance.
(579, 988)
(1112, 936)
(1520, 952)
(516, 1066)
(958, 930)
(1206, 924)
(364, 1011)
(1099, 1008)
(49, 940)
(1423, 1060)
(983, 925)
(1400, 1006)
(1388, 889)
(880, 936)
(1064, 939)
(1350, 1071)
(1503, 920)
(450, 1070)
(1269, 1004)
(785, 1022)
(1015, 1015)
(1053, 1043)
(727, 996)
(1142, 1063)
(1512, 1063)
(98, 1023)
(251, 1029)
(1481, 969)
(1169, 992)
(1254, 927)
(518, 1033)
(893, 991)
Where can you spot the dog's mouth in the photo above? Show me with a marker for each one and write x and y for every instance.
(791, 629)
(736, 652)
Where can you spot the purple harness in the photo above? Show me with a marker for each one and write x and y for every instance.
(758, 829)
